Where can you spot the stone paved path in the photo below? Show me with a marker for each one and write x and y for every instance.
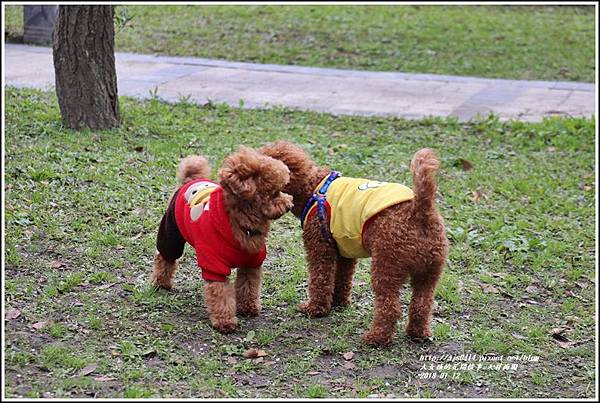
(410, 96)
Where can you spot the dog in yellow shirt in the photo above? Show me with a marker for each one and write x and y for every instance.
(348, 218)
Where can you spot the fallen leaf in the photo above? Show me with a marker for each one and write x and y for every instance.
(569, 344)
(88, 369)
(313, 373)
(104, 378)
(13, 313)
(40, 325)
(140, 211)
(231, 360)
(571, 320)
(261, 353)
(259, 360)
(479, 194)
(268, 363)
(349, 365)
(348, 356)
(149, 352)
(55, 264)
(466, 165)
(488, 288)
(558, 333)
(254, 353)
(531, 289)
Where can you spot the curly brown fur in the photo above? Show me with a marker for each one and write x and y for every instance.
(247, 291)
(252, 184)
(163, 272)
(220, 304)
(192, 167)
(406, 240)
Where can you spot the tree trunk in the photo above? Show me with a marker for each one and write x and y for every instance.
(84, 66)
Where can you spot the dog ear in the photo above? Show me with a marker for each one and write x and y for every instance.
(230, 179)
(278, 206)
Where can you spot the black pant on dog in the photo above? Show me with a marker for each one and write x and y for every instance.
(169, 241)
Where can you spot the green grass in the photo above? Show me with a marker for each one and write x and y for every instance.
(82, 209)
(517, 42)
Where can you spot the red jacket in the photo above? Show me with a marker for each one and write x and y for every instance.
(210, 233)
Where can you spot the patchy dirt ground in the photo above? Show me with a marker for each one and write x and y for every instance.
(515, 308)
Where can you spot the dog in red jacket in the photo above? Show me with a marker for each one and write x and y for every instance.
(227, 224)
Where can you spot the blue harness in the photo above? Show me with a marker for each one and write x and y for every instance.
(320, 198)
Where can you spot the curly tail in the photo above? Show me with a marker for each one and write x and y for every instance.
(424, 166)
(192, 167)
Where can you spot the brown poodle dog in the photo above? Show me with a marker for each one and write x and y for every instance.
(405, 238)
(227, 224)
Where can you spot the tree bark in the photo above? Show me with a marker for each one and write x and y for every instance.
(84, 66)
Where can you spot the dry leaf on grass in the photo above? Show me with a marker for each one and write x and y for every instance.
(88, 369)
(569, 344)
(531, 289)
(254, 353)
(40, 325)
(488, 288)
(478, 194)
(348, 356)
(13, 313)
(466, 165)
(55, 264)
(104, 378)
(558, 333)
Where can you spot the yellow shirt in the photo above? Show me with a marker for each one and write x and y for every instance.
(353, 201)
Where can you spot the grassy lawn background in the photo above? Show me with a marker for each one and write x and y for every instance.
(516, 42)
(82, 208)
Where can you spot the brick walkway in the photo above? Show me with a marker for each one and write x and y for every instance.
(410, 96)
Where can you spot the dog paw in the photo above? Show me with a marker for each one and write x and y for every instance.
(161, 283)
(312, 310)
(341, 302)
(225, 327)
(418, 333)
(377, 338)
(250, 311)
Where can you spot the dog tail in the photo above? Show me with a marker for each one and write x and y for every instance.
(424, 166)
(192, 167)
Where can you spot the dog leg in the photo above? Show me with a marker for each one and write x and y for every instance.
(163, 272)
(247, 291)
(421, 304)
(386, 281)
(220, 304)
(321, 257)
(343, 281)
